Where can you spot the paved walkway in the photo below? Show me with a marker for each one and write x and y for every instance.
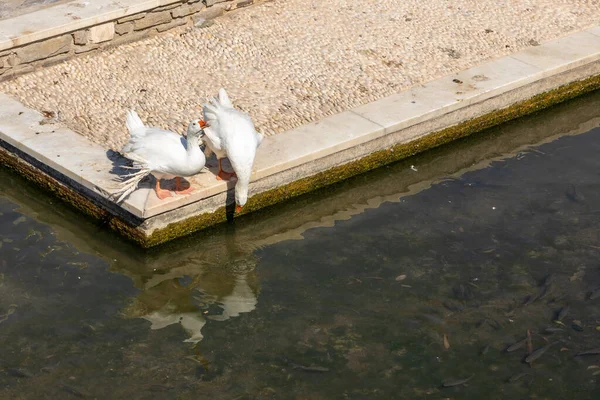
(13, 8)
(289, 62)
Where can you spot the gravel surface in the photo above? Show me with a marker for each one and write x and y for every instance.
(289, 62)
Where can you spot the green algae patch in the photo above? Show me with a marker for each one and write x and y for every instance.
(304, 185)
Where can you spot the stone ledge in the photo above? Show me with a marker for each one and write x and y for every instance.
(28, 40)
(304, 159)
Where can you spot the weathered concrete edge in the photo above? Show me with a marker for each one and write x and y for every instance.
(390, 148)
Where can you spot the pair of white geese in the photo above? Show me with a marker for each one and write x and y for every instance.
(166, 155)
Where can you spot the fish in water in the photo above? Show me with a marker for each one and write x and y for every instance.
(453, 306)
(548, 280)
(310, 368)
(462, 292)
(515, 378)
(546, 290)
(75, 391)
(577, 327)
(529, 343)
(457, 382)
(591, 352)
(538, 353)
(539, 295)
(594, 294)
(573, 194)
(19, 373)
(485, 350)
(446, 342)
(562, 313)
(516, 346)
(531, 299)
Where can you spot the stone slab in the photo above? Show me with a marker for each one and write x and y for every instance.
(69, 17)
(559, 55)
(102, 33)
(45, 49)
(445, 95)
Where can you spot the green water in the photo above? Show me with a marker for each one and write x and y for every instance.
(308, 300)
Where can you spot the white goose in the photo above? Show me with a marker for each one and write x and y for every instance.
(230, 133)
(164, 154)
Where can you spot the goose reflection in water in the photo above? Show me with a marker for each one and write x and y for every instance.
(191, 300)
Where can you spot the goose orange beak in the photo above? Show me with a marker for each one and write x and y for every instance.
(202, 123)
(238, 209)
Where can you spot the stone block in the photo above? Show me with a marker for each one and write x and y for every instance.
(124, 28)
(102, 33)
(54, 60)
(203, 23)
(131, 18)
(173, 24)
(9, 73)
(210, 3)
(244, 3)
(45, 49)
(208, 14)
(80, 37)
(4, 62)
(187, 9)
(9, 61)
(13, 60)
(152, 19)
(86, 48)
(132, 37)
(168, 6)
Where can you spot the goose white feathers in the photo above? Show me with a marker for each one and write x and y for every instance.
(230, 133)
(163, 154)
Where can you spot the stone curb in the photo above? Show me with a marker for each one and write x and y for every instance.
(64, 31)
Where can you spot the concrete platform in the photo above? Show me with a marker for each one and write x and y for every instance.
(311, 156)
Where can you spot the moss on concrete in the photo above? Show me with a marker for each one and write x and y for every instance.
(308, 184)
(69, 195)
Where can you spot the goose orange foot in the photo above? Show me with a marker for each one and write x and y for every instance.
(161, 193)
(225, 176)
(222, 175)
(180, 188)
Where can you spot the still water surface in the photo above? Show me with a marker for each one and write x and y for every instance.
(384, 286)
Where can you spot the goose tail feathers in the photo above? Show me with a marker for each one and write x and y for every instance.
(128, 184)
(133, 121)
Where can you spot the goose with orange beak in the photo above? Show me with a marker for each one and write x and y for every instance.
(163, 154)
(230, 133)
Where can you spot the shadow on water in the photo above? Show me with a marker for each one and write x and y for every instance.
(382, 286)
